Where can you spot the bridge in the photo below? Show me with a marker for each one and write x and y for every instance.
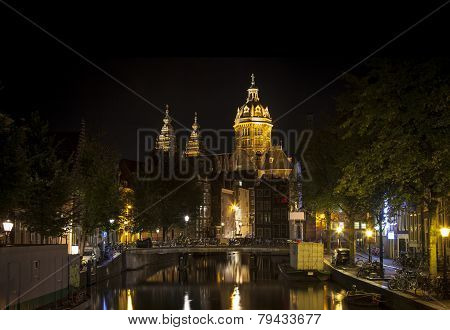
(212, 249)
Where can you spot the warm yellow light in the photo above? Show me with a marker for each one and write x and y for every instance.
(157, 231)
(129, 206)
(445, 231)
(222, 224)
(369, 233)
(235, 207)
(322, 216)
(339, 230)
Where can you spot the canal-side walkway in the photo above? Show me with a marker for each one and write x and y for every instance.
(346, 276)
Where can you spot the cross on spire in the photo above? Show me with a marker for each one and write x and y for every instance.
(253, 80)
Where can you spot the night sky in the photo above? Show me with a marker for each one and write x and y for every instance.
(194, 60)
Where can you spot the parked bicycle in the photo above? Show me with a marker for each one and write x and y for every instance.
(368, 268)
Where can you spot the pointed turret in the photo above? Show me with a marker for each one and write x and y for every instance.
(193, 148)
(166, 140)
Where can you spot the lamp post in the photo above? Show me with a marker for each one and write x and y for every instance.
(157, 234)
(7, 227)
(111, 222)
(222, 226)
(369, 234)
(444, 233)
(339, 230)
(186, 220)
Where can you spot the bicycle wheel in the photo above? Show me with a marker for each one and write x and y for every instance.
(361, 272)
(359, 263)
(392, 284)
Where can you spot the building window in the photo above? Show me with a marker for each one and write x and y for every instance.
(267, 233)
(259, 232)
(266, 192)
(276, 214)
(259, 218)
(259, 193)
(259, 205)
(266, 205)
(266, 217)
(283, 231)
(276, 231)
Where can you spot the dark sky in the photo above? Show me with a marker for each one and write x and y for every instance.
(194, 58)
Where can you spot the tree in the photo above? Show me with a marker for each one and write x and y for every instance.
(318, 192)
(13, 168)
(48, 187)
(97, 197)
(163, 201)
(400, 113)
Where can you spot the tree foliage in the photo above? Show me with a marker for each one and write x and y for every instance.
(399, 114)
(13, 167)
(48, 186)
(96, 195)
(163, 203)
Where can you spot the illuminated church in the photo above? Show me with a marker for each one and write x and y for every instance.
(254, 188)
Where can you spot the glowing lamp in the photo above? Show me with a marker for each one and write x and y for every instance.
(369, 233)
(186, 218)
(8, 226)
(444, 231)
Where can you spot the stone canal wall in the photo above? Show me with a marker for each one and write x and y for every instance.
(392, 299)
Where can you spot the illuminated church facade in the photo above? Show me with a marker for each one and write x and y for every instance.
(253, 189)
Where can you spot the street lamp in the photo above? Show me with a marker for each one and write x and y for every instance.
(110, 235)
(222, 228)
(186, 220)
(369, 234)
(157, 234)
(339, 230)
(7, 227)
(444, 233)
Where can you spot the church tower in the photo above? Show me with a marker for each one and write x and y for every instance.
(193, 146)
(252, 127)
(166, 140)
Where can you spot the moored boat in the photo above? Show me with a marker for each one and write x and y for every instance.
(362, 298)
(292, 274)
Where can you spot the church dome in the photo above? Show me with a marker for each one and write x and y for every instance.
(253, 110)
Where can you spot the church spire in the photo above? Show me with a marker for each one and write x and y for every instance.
(166, 140)
(193, 145)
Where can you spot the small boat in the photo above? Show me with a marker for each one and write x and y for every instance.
(292, 274)
(362, 298)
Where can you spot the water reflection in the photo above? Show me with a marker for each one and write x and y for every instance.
(217, 281)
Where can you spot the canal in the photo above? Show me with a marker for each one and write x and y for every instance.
(232, 280)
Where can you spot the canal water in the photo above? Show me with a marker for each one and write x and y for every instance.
(216, 281)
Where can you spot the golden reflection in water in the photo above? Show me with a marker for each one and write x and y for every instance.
(234, 271)
(306, 299)
(336, 300)
(187, 302)
(236, 299)
(129, 301)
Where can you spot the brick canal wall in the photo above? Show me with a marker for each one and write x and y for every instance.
(392, 299)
